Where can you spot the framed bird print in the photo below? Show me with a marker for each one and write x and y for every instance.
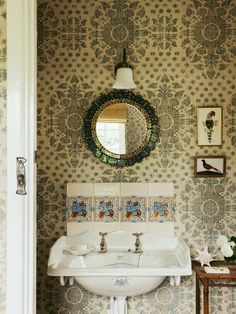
(209, 166)
(209, 126)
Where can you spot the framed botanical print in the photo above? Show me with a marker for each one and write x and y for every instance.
(209, 166)
(209, 126)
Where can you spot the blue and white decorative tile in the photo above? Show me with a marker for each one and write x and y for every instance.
(161, 209)
(133, 208)
(106, 209)
(79, 209)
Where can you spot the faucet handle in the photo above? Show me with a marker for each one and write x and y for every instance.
(103, 234)
(103, 245)
(137, 234)
(137, 242)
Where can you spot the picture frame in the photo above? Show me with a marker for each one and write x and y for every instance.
(209, 126)
(209, 166)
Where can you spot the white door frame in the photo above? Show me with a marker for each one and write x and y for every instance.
(21, 142)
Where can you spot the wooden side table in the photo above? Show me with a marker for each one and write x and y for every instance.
(212, 280)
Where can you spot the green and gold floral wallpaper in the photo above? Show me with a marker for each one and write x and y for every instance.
(184, 56)
(3, 80)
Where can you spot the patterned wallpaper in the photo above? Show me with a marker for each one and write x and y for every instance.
(184, 56)
(3, 78)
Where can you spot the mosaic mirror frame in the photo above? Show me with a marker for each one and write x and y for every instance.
(126, 97)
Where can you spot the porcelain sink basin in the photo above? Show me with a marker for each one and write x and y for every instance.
(120, 271)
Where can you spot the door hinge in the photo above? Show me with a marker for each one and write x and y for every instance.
(35, 156)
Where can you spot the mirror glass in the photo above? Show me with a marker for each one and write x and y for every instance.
(121, 128)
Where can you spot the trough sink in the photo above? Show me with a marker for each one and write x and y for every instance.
(119, 272)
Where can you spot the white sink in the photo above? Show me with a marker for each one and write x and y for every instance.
(119, 272)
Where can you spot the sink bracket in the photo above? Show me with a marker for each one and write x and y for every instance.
(174, 280)
(62, 281)
(71, 281)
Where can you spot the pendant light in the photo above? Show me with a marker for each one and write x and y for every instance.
(124, 75)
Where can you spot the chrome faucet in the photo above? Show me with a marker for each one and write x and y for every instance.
(137, 242)
(103, 245)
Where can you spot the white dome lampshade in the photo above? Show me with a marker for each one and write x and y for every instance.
(124, 75)
(124, 79)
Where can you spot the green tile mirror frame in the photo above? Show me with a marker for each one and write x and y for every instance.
(121, 128)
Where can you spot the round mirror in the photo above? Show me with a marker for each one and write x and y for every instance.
(121, 128)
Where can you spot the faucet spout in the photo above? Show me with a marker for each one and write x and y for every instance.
(103, 245)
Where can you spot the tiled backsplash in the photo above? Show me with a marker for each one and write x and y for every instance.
(79, 208)
(119, 203)
(106, 209)
(161, 209)
(133, 208)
